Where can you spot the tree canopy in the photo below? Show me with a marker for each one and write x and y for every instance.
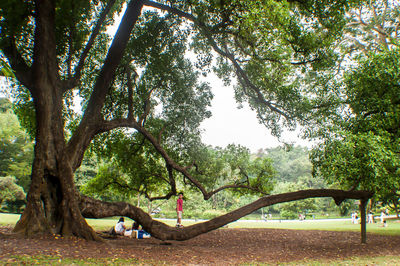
(142, 96)
(360, 139)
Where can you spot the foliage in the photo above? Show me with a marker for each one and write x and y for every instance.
(134, 170)
(12, 196)
(363, 150)
(87, 170)
(358, 126)
(5, 69)
(16, 149)
(289, 164)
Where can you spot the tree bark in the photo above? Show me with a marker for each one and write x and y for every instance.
(363, 208)
(97, 209)
(53, 200)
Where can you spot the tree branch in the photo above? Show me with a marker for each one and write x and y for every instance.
(74, 81)
(22, 71)
(91, 208)
(183, 170)
(244, 79)
(92, 117)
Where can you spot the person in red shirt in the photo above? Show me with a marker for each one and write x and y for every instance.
(179, 209)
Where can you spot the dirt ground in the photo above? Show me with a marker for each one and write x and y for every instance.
(220, 247)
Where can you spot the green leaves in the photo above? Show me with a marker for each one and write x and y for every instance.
(10, 193)
(364, 150)
(16, 149)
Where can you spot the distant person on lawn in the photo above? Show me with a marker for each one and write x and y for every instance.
(179, 210)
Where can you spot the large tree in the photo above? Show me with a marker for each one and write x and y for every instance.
(59, 49)
(360, 138)
(363, 150)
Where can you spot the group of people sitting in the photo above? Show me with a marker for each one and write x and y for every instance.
(135, 231)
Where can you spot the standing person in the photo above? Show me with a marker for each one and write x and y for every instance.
(179, 209)
(370, 217)
(355, 217)
(120, 227)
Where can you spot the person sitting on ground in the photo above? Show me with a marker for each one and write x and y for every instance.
(120, 227)
(135, 226)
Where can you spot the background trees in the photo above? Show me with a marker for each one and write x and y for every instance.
(363, 151)
(16, 154)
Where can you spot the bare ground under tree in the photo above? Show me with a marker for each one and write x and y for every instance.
(222, 247)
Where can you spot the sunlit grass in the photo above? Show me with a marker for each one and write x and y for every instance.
(8, 219)
(393, 227)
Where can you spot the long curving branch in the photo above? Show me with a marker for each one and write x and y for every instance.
(170, 163)
(91, 208)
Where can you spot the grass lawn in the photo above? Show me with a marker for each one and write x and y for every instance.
(393, 227)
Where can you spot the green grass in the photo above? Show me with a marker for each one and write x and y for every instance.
(381, 260)
(54, 260)
(330, 225)
(7, 219)
(393, 227)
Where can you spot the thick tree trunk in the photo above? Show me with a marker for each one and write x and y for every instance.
(53, 201)
(52, 198)
(53, 207)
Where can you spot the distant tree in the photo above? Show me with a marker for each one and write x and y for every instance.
(16, 148)
(12, 196)
(290, 164)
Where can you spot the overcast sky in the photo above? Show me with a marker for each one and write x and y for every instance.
(240, 126)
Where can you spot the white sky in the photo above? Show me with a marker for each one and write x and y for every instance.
(229, 124)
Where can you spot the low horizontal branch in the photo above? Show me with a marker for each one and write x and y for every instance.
(92, 208)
